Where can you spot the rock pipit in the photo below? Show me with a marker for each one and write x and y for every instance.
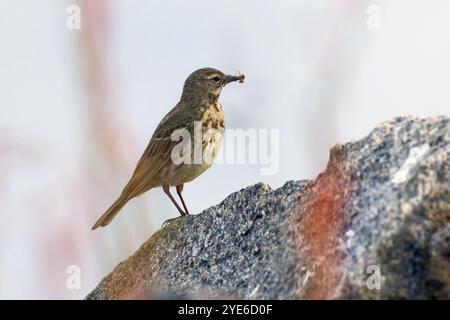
(199, 104)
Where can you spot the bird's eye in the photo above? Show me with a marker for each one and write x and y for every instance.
(216, 79)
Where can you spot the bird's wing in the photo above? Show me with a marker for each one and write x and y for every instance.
(157, 155)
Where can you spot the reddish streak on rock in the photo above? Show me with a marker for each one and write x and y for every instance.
(321, 225)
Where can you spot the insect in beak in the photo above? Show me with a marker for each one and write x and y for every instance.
(239, 78)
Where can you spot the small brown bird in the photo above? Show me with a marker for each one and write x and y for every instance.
(199, 103)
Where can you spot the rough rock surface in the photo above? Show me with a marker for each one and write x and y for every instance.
(374, 224)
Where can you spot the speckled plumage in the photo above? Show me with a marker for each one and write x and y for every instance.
(199, 102)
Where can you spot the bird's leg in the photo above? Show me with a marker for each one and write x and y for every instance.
(167, 191)
(179, 190)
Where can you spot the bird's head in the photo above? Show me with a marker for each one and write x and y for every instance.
(207, 83)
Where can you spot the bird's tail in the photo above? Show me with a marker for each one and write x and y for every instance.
(109, 215)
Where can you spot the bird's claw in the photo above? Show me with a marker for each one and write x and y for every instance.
(169, 220)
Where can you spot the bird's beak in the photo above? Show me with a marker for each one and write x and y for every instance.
(239, 78)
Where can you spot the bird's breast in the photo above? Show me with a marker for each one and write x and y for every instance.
(213, 117)
(213, 128)
(178, 174)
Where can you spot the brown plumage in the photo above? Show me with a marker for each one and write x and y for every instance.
(199, 103)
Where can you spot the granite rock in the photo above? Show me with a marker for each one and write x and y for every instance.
(375, 224)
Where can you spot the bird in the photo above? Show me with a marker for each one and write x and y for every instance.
(199, 105)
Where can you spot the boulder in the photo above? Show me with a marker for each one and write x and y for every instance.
(375, 224)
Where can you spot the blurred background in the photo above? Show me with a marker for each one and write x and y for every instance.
(78, 106)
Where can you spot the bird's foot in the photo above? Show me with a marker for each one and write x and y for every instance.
(170, 220)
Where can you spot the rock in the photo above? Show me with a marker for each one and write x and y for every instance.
(375, 224)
